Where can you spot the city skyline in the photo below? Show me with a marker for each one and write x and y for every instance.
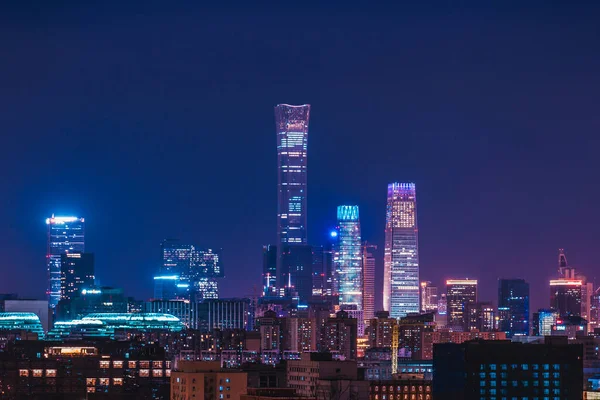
(156, 157)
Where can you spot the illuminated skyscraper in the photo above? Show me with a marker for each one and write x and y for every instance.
(269, 276)
(77, 273)
(65, 235)
(368, 260)
(429, 297)
(513, 298)
(401, 254)
(459, 294)
(565, 297)
(348, 256)
(196, 270)
(291, 124)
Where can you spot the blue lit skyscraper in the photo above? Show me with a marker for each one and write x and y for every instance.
(513, 299)
(401, 254)
(348, 258)
(65, 235)
(291, 125)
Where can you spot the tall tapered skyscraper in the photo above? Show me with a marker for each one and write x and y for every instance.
(65, 235)
(291, 124)
(401, 253)
(368, 280)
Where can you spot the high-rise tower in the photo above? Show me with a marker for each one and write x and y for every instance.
(513, 299)
(368, 260)
(401, 253)
(65, 235)
(291, 125)
(348, 257)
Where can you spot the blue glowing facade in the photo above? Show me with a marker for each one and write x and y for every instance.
(194, 272)
(401, 254)
(17, 321)
(107, 324)
(348, 257)
(65, 235)
(513, 297)
(291, 125)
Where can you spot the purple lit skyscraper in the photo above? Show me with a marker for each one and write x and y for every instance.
(291, 123)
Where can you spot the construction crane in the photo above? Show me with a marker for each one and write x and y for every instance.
(395, 349)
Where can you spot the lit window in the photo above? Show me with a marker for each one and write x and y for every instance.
(167, 364)
(157, 364)
(37, 373)
(91, 389)
(144, 373)
(145, 364)
(118, 381)
(23, 372)
(90, 381)
(104, 381)
(117, 364)
(157, 372)
(168, 373)
(50, 373)
(104, 364)
(131, 364)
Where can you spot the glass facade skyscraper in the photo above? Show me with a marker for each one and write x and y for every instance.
(513, 296)
(195, 270)
(291, 125)
(348, 257)
(65, 235)
(401, 253)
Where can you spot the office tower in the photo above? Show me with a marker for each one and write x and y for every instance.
(485, 370)
(196, 269)
(296, 266)
(565, 297)
(513, 295)
(594, 321)
(543, 320)
(442, 305)
(481, 317)
(429, 297)
(323, 270)
(401, 254)
(563, 265)
(170, 287)
(291, 125)
(76, 274)
(225, 314)
(459, 294)
(368, 263)
(65, 235)
(340, 335)
(348, 257)
(269, 275)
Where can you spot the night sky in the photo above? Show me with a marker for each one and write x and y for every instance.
(158, 122)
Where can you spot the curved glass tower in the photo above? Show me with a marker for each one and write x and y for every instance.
(291, 124)
(401, 253)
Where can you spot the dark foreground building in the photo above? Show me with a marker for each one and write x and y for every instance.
(42, 370)
(499, 370)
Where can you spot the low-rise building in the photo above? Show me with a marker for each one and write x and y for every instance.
(193, 380)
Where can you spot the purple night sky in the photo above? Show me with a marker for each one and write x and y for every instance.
(158, 122)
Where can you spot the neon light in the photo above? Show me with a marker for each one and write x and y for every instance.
(461, 282)
(61, 220)
(91, 291)
(565, 282)
(167, 277)
(183, 285)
